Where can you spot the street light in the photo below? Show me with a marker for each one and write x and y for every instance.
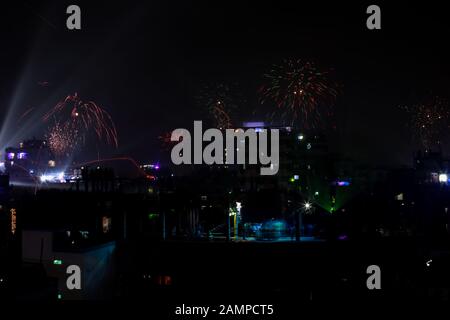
(307, 205)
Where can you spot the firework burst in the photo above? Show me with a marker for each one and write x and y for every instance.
(82, 117)
(299, 91)
(63, 139)
(220, 101)
(429, 121)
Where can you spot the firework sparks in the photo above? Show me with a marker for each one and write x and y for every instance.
(429, 120)
(166, 142)
(63, 139)
(299, 90)
(220, 101)
(72, 112)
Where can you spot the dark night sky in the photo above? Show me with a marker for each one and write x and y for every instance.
(144, 61)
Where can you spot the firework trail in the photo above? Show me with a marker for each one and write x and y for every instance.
(429, 120)
(220, 101)
(25, 114)
(83, 116)
(300, 91)
(166, 142)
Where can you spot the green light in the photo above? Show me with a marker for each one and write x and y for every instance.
(59, 296)
(57, 262)
(152, 216)
(292, 179)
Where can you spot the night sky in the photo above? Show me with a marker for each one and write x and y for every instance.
(145, 61)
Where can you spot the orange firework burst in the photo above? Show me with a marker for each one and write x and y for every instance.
(299, 90)
(74, 113)
(220, 101)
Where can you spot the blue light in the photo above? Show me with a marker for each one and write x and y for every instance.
(21, 155)
(253, 124)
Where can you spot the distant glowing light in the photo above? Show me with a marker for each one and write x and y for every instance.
(296, 177)
(152, 216)
(11, 155)
(300, 137)
(13, 220)
(316, 193)
(45, 178)
(151, 166)
(253, 124)
(57, 262)
(428, 263)
(57, 177)
(343, 183)
(307, 205)
(106, 224)
(443, 177)
(21, 155)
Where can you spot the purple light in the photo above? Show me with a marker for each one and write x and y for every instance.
(253, 124)
(343, 183)
(10, 155)
(21, 155)
(157, 167)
